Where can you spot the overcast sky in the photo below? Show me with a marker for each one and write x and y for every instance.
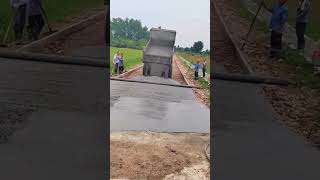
(190, 18)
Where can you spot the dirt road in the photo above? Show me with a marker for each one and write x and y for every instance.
(149, 155)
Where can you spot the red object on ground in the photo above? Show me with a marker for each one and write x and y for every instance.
(316, 57)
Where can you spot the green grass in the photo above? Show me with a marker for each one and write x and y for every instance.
(56, 11)
(132, 57)
(313, 28)
(204, 84)
(244, 13)
(302, 70)
(194, 57)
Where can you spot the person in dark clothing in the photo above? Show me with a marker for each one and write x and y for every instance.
(204, 68)
(303, 10)
(19, 8)
(35, 18)
(277, 25)
(121, 64)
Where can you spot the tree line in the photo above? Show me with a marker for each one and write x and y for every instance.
(128, 33)
(196, 48)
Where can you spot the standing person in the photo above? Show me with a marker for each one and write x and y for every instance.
(196, 70)
(35, 18)
(116, 61)
(19, 8)
(121, 65)
(204, 68)
(301, 22)
(277, 26)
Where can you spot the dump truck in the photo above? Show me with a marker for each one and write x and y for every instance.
(158, 54)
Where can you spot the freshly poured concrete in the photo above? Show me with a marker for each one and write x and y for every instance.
(249, 142)
(98, 52)
(64, 136)
(136, 106)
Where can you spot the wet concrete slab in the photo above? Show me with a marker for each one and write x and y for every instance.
(159, 108)
(63, 110)
(250, 141)
(155, 79)
(98, 52)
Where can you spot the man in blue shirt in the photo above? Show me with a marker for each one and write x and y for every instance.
(303, 10)
(277, 26)
(196, 70)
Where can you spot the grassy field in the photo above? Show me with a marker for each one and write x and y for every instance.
(132, 57)
(194, 57)
(313, 29)
(56, 10)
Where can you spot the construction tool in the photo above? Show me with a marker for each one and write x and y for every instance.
(251, 27)
(46, 20)
(7, 32)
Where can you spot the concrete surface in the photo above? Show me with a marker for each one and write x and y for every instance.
(155, 79)
(64, 135)
(98, 52)
(250, 143)
(136, 106)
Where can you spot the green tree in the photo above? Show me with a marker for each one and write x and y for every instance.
(197, 47)
(128, 33)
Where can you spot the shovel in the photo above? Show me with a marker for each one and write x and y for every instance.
(46, 20)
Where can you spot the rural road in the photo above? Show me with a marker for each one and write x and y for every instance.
(63, 113)
(250, 143)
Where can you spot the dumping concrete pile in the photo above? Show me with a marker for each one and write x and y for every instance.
(157, 56)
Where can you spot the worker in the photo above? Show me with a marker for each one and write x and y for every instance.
(36, 21)
(116, 62)
(303, 10)
(204, 68)
(277, 26)
(121, 63)
(196, 70)
(19, 8)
